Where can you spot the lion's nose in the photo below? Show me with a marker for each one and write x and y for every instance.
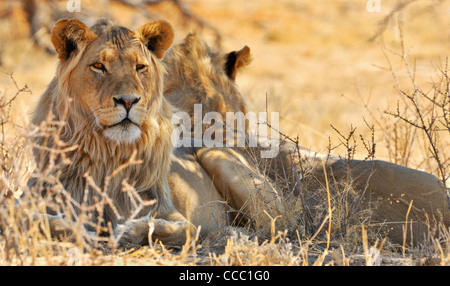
(126, 101)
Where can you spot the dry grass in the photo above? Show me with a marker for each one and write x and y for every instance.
(382, 100)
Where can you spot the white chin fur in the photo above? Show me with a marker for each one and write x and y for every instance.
(122, 135)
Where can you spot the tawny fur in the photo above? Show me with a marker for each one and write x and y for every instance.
(95, 155)
(197, 74)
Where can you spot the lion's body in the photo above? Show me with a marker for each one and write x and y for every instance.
(194, 193)
(109, 91)
(93, 101)
(198, 75)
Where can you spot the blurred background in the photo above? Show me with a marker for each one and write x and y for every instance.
(318, 63)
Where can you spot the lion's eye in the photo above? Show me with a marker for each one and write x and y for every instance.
(140, 67)
(99, 66)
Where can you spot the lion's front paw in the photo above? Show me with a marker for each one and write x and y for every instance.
(132, 232)
(172, 233)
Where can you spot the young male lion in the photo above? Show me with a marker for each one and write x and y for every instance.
(198, 74)
(109, 92)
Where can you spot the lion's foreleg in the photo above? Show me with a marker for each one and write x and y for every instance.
(241, 183)
(134, 231)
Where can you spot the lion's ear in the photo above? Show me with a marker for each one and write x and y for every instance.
(237, 60)
(67, 35)
(157, 36)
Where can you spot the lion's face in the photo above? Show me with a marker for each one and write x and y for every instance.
(117, 77)
(115, 87)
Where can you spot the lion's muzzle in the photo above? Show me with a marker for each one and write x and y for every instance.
(126, 101)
